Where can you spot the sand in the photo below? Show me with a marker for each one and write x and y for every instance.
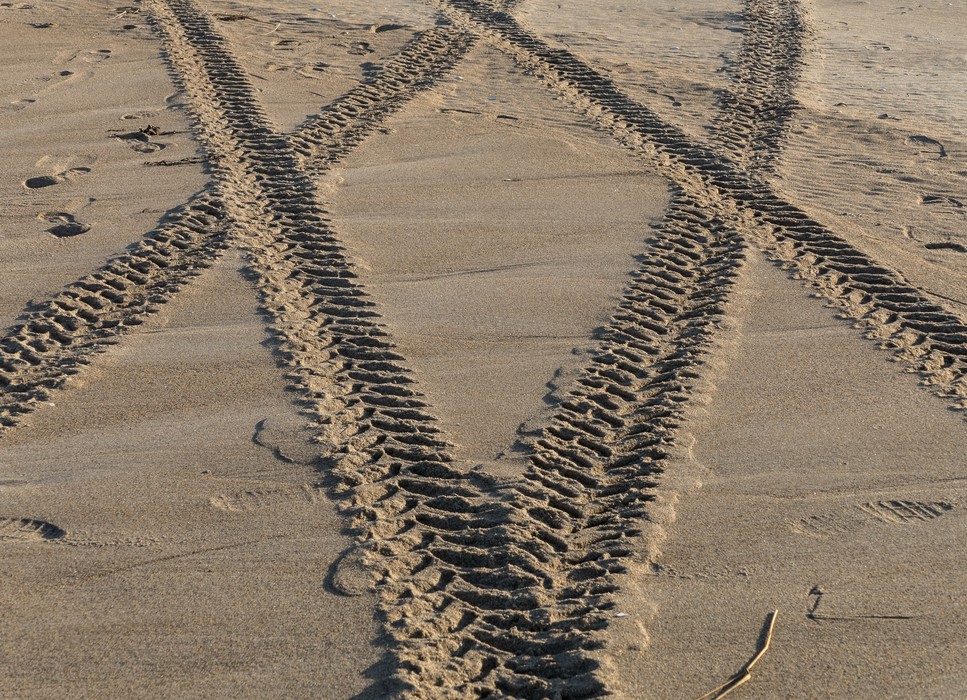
(453, 349)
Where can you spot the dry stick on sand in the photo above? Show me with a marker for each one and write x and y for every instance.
(745, 673)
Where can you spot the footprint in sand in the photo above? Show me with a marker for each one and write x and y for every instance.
(285, 44)
(137, 115)
(285, 496)
(140, 140)
(45, 82)
(359, 48)
(934, 146)
(41, 181)
(312, 70)
(14, 530)
(39, 86)
(287, 438)
(91, 56)
(57, 77)
(941, 200)
(946, 245)
(348, 575)
(893, 512)
(28, 530)
(380, 28)
(17, 105)
(65, 225)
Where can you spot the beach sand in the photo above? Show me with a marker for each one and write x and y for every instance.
(483, 349)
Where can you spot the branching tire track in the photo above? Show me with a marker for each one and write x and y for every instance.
(584, 500)
(927, 336)
(486, 587)
(52, 341)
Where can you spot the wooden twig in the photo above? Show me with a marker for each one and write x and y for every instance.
(745, 673)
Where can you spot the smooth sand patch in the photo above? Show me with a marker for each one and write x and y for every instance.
(495, 237)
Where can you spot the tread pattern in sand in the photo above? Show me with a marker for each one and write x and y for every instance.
(428, 526)
(486, 586)
(54, 339)
(755, 111)
(925, 334)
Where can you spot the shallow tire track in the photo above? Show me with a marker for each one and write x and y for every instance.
(323, 139)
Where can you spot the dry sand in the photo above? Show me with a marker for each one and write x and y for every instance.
(455, 349)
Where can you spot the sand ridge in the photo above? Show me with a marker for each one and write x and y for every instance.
(487, 583)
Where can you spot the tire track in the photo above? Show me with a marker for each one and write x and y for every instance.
(582, 506)
(325, 138)
(485, 586)
(593, 473)
(384, 444)
(757, 110)
(926, 336)
(52, 341)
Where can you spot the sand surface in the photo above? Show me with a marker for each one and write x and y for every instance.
(483, 349)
